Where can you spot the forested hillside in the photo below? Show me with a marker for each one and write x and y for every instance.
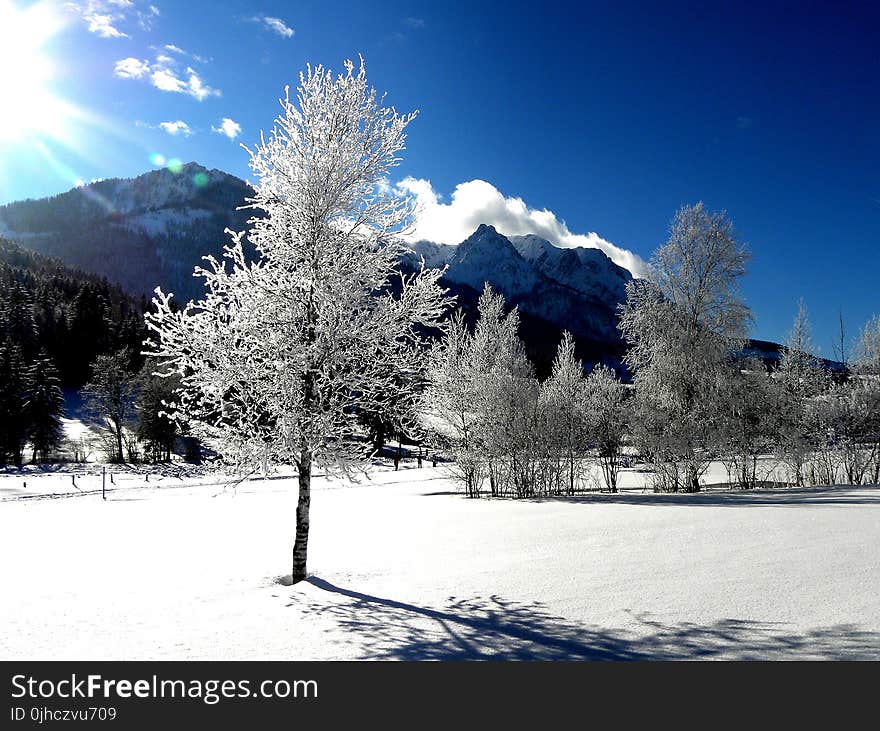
(70, 315)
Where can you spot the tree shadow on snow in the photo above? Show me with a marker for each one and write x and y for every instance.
(494, 628)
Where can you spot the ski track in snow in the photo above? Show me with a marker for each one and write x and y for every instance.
(404, 567)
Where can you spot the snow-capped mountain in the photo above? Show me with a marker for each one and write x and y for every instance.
(590, 271)
(436, 256)
(487, 256)
(142, 232)
(574, 289)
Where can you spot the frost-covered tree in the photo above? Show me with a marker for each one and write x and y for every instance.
(43, 406)
(507, 394)
(751, 404)
(683, 325)
(867, 356)
(608, 408)
(279, 356)
(802, 378)
(699, 269)
(566, 412)
(850, 413)
(451, 400)
(849, 417)
(868, 369)
(110, 395)
(480, 391)
(800, 371)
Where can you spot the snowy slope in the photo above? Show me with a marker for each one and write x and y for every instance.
(435, 256)
(165, 221)
(405, 568)
(589, 271)
(487, 256)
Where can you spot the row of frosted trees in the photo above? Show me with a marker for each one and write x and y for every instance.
(827, 425)
(695, 399)
(508, 433)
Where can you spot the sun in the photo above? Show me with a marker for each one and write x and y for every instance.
(28, 108)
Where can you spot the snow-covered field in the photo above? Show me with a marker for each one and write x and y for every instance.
(405, 568)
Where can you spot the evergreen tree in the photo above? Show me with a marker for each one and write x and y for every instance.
(17, 316)
(155, 402)
(43, 406)
(13, 422)
(88, 329)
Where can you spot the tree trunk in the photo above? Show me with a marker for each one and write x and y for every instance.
(693, 477)
(379, 439)
(301, 544)
(119, 440)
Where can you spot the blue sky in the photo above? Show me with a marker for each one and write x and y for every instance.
(610, 115)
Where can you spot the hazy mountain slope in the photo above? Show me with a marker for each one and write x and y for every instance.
(141, 232)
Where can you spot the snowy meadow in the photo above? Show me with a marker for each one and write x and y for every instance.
(403, 566)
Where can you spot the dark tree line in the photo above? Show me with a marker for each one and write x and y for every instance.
(64, 329)
(70, 316)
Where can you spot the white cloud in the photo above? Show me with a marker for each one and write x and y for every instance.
(131, 68)
(167, 48)
(228, 127)
(102, 25)
(163, 74)
(477, 201)
(276, 25)
(176, 128)
(195, 87)
(416, 23)
(106, 18)
(165, 80)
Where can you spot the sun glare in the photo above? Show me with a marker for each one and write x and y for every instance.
(27, 106)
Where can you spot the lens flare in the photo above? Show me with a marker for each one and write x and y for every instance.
(157, 159)
(175, 165)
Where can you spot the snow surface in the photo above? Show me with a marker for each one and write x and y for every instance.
(166, 221)
(404, 567)
(487, 256)
(588, 271)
